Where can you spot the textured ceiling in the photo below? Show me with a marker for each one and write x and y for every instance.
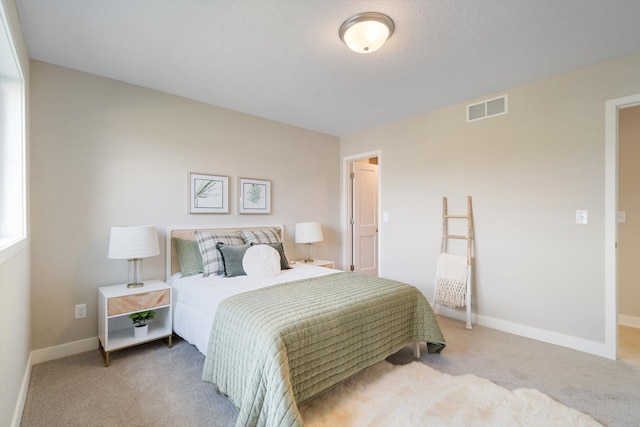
(283, 60)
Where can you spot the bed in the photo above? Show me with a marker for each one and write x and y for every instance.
(272, 343)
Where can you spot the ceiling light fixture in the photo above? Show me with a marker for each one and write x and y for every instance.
(366, 32)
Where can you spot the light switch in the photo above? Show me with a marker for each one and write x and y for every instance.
(385, 216)
(582, 217)
(622, 217)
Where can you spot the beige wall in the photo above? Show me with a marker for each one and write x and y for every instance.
(107, 153)
(15, 327)
(629, 202)
(14, 331)
(528, 172)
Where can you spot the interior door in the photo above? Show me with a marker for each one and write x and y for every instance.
(628, 249)
(365, 218)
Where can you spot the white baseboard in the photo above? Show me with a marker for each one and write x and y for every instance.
(64, 350)
(22, 395)
(456, 314)
(550, 337)
(631, 321)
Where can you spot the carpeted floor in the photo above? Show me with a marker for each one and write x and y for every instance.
(152, 385)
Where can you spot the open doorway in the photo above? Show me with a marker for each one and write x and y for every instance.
(628, 232)
(362, 182)
(612, 161)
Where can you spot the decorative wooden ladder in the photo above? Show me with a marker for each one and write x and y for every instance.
(468, 237)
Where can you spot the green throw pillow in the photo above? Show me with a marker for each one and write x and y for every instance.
(189, 257)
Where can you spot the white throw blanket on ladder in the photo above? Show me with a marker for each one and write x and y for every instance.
(451, 280)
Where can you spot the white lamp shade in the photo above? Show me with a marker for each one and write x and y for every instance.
(133, 242)
(308, 232)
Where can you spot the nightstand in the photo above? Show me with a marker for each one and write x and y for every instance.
(318, 262)
(117, 302)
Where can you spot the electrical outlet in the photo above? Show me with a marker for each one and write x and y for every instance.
(81, 311)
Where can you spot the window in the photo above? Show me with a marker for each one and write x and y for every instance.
(12, 145)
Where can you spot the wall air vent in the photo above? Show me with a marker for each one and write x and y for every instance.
(489, 108)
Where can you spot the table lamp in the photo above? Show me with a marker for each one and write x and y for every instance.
(134, 244)
(308, 233)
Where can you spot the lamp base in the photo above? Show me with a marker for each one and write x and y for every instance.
(135, 273)
(135, 285)
(308, 248)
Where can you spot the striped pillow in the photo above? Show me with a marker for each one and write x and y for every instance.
(269, 235)
(212, 262)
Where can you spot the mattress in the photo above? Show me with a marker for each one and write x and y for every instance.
(196, 298)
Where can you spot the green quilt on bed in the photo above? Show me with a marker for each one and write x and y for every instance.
(273, 348)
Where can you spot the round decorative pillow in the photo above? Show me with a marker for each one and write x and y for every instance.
(261, 261)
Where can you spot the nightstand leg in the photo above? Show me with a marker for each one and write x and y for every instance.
(170, 344)
(105, 354)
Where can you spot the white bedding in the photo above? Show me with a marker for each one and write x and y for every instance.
(196, 298)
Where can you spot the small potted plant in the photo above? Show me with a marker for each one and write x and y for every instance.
(140, 322)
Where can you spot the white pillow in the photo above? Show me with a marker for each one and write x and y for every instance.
(261, 261)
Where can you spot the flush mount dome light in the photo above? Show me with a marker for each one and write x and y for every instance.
(366, 32)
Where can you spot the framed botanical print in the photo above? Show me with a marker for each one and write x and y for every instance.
(208, 193)
(255, 196)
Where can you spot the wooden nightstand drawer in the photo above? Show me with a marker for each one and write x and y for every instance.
(137, 302)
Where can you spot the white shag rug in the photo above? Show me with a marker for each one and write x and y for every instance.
(417, 395)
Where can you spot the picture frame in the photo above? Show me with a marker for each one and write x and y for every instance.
(255, 196)
(208, 193)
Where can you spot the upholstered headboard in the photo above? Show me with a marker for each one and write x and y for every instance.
(172, 264)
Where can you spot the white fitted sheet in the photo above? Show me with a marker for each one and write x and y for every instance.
(196, 298)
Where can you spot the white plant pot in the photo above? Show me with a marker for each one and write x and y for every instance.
(140, 331)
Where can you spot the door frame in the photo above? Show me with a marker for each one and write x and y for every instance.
(610, 221)
(346, 181)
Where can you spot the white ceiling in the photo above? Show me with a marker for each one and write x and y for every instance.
(283, 60)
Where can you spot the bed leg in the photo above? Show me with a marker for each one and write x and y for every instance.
(416, 349)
